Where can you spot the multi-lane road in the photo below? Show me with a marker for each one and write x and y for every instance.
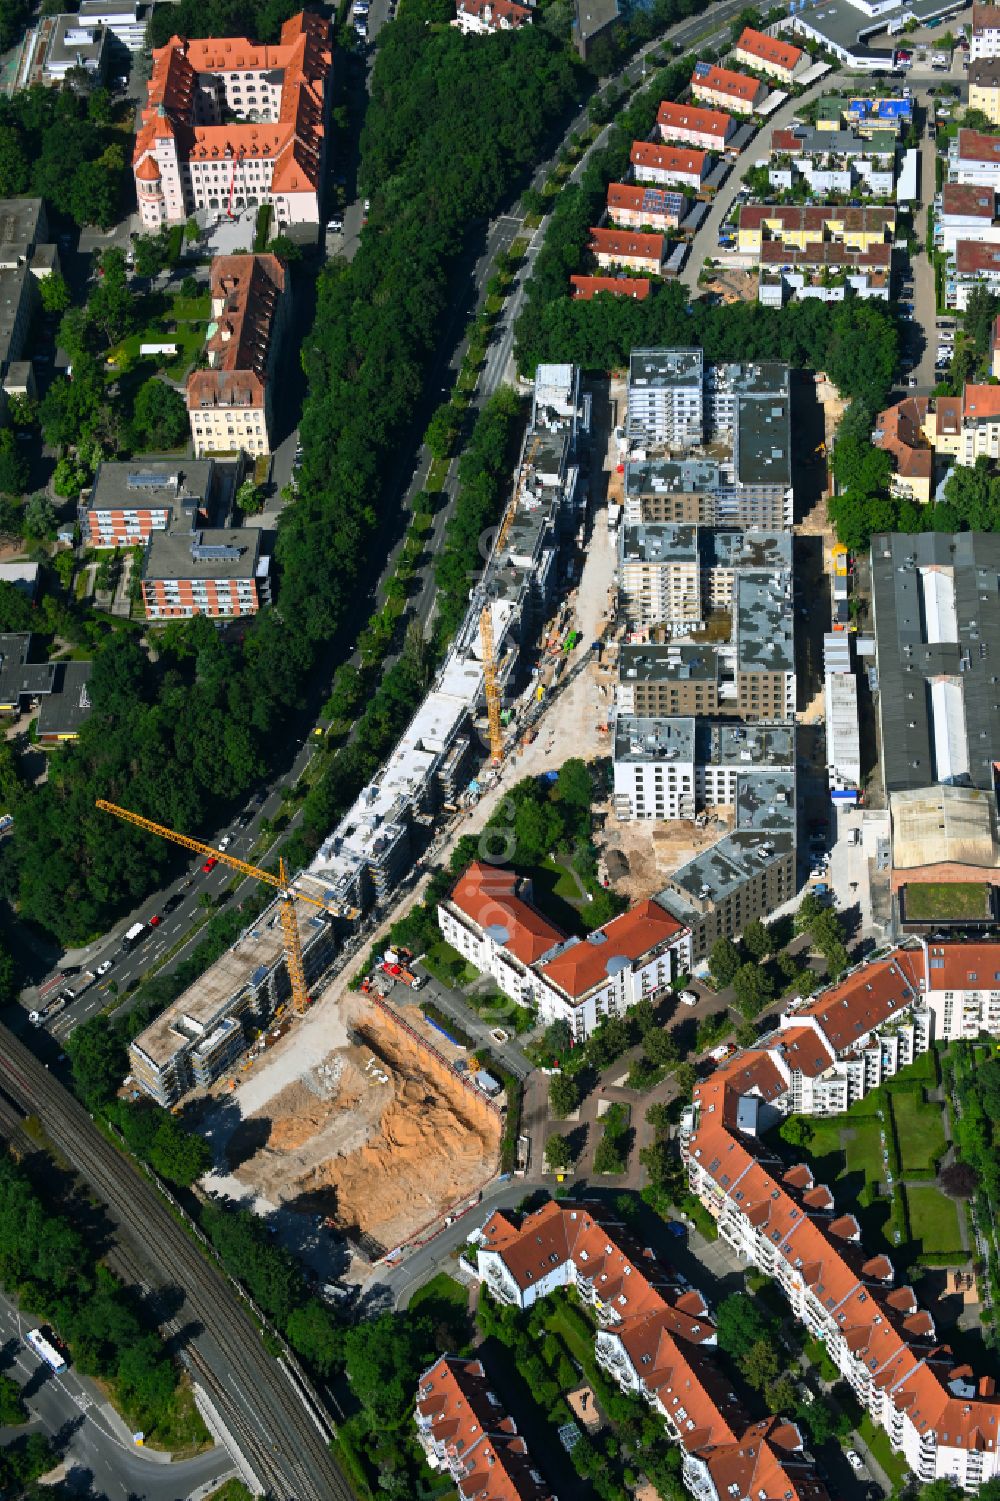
(280, 1432)
(101, 1455)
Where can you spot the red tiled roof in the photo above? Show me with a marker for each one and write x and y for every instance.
(976, 146)
(794, 216)
(981, 402)
(963, 966)
(864, 1000)
(948, 411)
(875, 259)
(582, 966)
(680, 160)
(464, 1418)
(967, 200)
(488, 895)
(767, 1464)
(626, 244)
(639, 198)
(239, 345)
(586, 287)
(975, 259)
(506, 10)
(899, 431)
(769, 49)
(693, 118)
(725, 81)
(786, 141)
(804, 1051)
(985, 18)
(293, 142)
(883, 1328)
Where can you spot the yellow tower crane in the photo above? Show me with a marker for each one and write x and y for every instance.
(492, 688)
(286, 904)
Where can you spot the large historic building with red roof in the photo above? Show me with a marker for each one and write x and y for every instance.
(935, 1411)
(489, 918)
(188, 157)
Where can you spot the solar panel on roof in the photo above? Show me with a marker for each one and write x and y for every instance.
(702, 70)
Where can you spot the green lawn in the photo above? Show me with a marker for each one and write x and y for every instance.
(934, 1222)
(442, 1289)
(930, 900)
(894, 1465)
(447, 965)
(864, 1150)
(920, 1132)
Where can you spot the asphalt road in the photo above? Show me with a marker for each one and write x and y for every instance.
(282, 1439)
(99, 1457)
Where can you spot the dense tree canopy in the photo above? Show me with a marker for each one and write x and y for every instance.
(51, 145)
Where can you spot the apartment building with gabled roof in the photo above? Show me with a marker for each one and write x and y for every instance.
(231, 403)
(585, 288)
(669, 166)
(691, 125)
(489, 918)
(935, 1412)
(768, 54)
(654, 1339)
(462, 1428)
(725, 90)
(270, 150)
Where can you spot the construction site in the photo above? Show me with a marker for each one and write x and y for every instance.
(357, 1116)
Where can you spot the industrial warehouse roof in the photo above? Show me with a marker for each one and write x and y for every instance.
(943, 825)
(936, 602)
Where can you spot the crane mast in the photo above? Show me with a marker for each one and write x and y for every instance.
(286, 897)
(492, 688)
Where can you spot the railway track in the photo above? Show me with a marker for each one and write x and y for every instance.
(280, 1434)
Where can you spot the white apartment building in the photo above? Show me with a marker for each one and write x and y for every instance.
(579, 981)
(671, 767)
(665, 398)
(974, 159)
(935, 1412)
(985, 41)
(659, 575)
(963, 989)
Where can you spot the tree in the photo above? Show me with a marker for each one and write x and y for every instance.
(13, 467)
(739, 1324)
(99, 1060)
(110, 306)
(723, 961)
(685, 1077)
(759, 1363)
(753, 988)
(69, 478)
(54, 292)
(564, 1095)
(383, 1358)
(661, 1048)
(12, 1409)
(959, 1179)
(442, 431)
(315, 1335)
(757, 940)
(39, 517)
(558, 1154)
(160, 415)
(781, 1395)
(250, 498)
(797, 1131)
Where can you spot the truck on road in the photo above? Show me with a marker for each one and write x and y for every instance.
(135, 934)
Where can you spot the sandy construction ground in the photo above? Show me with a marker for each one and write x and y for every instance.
(358, 1122)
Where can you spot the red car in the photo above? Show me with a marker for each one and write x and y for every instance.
(210, 864)
(154, 922)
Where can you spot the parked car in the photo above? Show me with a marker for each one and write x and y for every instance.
(688, 998)
(854, 1460)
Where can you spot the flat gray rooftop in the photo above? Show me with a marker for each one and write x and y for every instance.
(233, 554)
(14, 292)
(659, 542)
(754, 551)
(666, 367)
(765, 801)
(19, 226)
(745, 745)
(684, 662)
(716, 873)
(151, 483)
(764, 441)
(673, 476)
(764, 623)
(936, 599)
(654, 739)
(756, 379)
